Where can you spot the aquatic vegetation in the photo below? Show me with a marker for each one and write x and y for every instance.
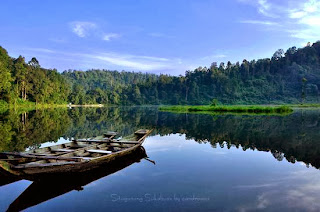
(230, 108)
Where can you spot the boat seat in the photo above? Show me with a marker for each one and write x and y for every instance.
(75, 146)
(125, 142)
(62, 150)
(98, 151)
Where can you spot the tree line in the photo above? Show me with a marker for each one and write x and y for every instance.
(21, 81)
(290, 76)
(287, 77)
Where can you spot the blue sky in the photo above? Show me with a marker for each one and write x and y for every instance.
(167, 36)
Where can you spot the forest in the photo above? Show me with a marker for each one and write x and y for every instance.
(22, 81)
(291, 76)
(288, 77)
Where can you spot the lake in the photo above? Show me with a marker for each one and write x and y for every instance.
(204, 162)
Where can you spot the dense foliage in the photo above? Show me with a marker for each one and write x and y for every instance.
(21, 81)
(288, 77)
(106, 87)
(291, 77)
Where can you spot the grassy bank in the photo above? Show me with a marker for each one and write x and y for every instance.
(21, 105)
(229, 108)
(27, 106)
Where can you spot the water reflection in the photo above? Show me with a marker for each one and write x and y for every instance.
(213, 158)
(294, 137)
(43, 189)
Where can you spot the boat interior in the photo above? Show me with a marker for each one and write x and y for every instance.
(78, 150)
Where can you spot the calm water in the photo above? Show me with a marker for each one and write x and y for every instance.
(203, 162)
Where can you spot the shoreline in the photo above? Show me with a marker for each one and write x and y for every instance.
(32, 106)
(235, 109)
(86, 105)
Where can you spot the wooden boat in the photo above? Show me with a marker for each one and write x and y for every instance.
(53, 186)
(73, 157)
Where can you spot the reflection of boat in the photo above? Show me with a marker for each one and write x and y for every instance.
(50, 187)
(76, 156)
(7, 178)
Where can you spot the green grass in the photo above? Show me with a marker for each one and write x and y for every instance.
(255, 109)
(24, 106)
(21, 105)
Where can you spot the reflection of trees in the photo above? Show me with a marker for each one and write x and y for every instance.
(277, 155)
(21, 130)
(293, 137)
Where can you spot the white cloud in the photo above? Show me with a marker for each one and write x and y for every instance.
(312, 21)
(303, 196)
(312, 6)
(264, 7)
(270, 23)
(298, 19)
(262, 202)
(154, 58)
(255, 186)
(304, 34)
(306, 9)
(82, 28)
(145, 63)
(297, 14)
(307, 17)
(42, 50)
(109, 36)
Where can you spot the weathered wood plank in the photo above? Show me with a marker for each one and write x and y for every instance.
(91, 140)
(36, 165)
(23, 155)
(98, 151)
(107, 141)
(79, 151)
(62, 150)
(125, 142)
(142, 132)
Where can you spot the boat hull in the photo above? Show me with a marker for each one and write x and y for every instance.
(75, 162)
(46, 188)
(78, 167)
